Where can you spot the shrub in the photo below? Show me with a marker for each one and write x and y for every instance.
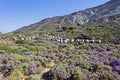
(84, 36)
(116, 68)
(59, 73)
(33, 77)
(94, 76)
(79, 75)
(21, 41)
(98, 38)
(72, 28)
(0, 33)
(42, 48)
(32, 68)
(115, 62)
(5, 48)
(16, 75)
(106, 76)
(4, 79)
(49, 64)
(18, 57)
(23, 68)
(52, 33)
(84, 47)
(70, 46)
(64, 28)
(84, 64)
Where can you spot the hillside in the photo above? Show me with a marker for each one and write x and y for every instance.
(106, 13)
(84, 45)
(104, 19)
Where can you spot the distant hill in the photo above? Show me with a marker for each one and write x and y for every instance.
(101, 22)
(108, 13)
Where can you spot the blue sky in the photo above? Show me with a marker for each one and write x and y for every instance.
(17, 13)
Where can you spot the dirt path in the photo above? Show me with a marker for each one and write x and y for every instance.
(45, 70)
(1, 76)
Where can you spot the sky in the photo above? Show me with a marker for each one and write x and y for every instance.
(15, 14)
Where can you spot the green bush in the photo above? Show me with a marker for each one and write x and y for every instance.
(23, 68)
(98, 38)
(64, 28)
(42, 48)
(21, 41)
(34, 77)
(16, 75)
(59, 72)
(0, 33)
(18, 57)
(79, 75)
(84, 64)
(70, 47)
(6, 49)
(49, 64)
(84, 47)
(91, 28)
(106, 76)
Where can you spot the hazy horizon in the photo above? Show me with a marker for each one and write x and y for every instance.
(18, 13)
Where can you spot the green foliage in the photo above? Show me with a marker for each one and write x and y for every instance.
(0, 33)
(91, 28)
(6, 49)
(70, 47)
(18, 57)
(98, 38)
(42, 48)
(59, 72)
(16, 75)
(105, 36)
(84, 47)
(84, 64)
(78, 24)
(72, 28)
(70, 37)
(79, 75)
(106, 76)
(94, 77)
(41, 32)
(49, 64)
(84, 36)
(34, 77)
(23, 68)
(70, 62)
(64, 28)
(20, 41)
(52, 33)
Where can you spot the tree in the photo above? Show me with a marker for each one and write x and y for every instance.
(64, 28)
(0, 32)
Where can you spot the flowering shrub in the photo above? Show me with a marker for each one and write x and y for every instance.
(64, 72)
(106, 76)
(32, 68)
(116, 68)
(115, 62)
(4, 79)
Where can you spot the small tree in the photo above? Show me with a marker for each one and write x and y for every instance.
(64, 28)
(0, 32)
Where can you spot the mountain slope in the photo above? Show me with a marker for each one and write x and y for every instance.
(106, 13)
